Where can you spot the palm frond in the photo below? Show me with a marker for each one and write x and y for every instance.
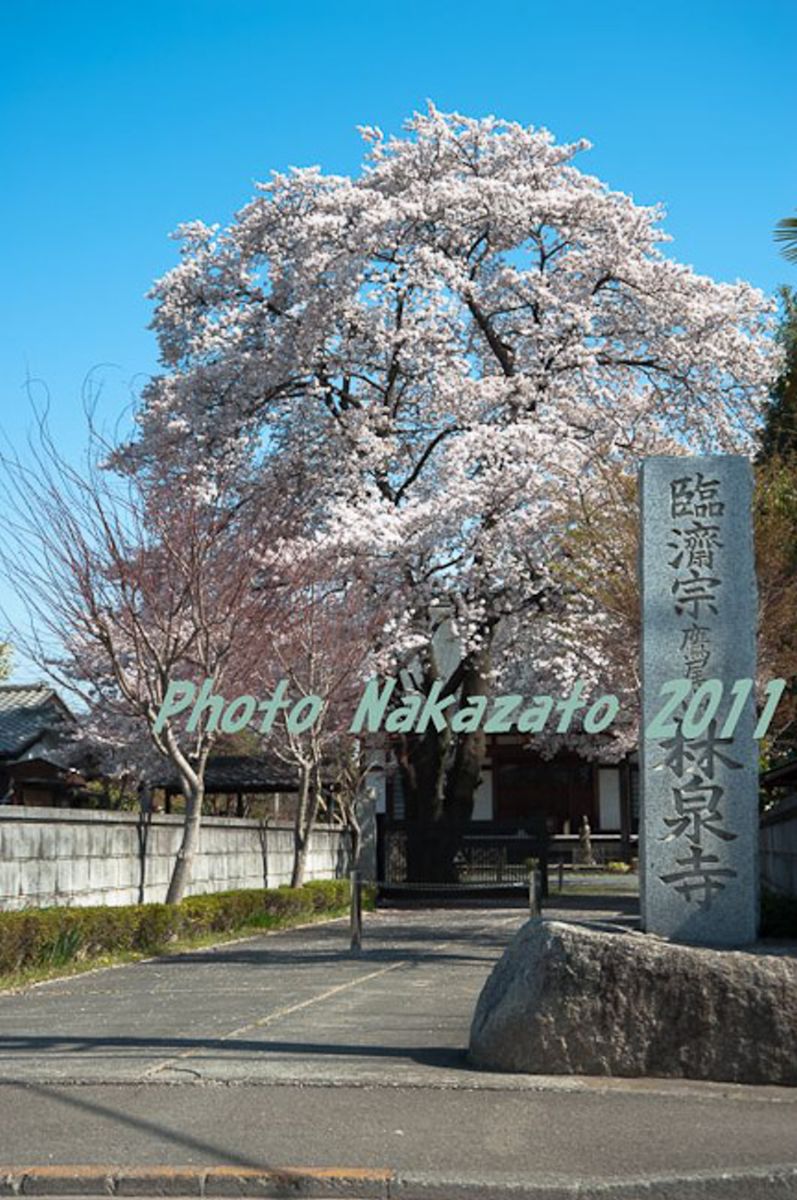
(786, 233)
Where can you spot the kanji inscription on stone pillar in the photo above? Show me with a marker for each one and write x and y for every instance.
(698, 755)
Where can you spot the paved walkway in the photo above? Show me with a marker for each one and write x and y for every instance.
(287, 1008)
(285, 1050)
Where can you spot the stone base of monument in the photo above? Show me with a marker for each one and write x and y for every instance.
(566, 999)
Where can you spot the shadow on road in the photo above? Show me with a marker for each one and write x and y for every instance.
(429, 1056)
(156, 1129)
(395, 942)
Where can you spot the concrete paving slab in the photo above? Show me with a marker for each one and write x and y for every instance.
(280, 1007)
(548, 1136)
(287, 1051)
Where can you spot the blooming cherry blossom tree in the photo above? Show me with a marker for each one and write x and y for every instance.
(441, 348)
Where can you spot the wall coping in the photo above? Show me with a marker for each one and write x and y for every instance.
(610, 835)
(98, 816)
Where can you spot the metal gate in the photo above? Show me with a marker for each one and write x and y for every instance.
(490, 860)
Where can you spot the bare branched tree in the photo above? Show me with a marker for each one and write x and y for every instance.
(130, 584)
(321, 648)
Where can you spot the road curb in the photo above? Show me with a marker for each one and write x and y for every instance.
(355, 1183)
(771, 1183)
(365, 1184)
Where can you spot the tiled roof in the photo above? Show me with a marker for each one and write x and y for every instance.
(239, 773)
(26, 712)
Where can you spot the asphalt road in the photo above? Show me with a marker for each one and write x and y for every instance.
(285, 1050)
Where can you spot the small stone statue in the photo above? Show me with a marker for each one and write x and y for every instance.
(585, 844)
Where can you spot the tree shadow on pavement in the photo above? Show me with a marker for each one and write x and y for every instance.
(429, 1056)
(157, 1130)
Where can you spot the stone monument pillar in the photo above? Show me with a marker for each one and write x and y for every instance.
(698, 756)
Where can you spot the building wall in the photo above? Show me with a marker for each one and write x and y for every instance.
(609, 814)
(54, 856)
(609, 799)
(778, 847)
(483, 798)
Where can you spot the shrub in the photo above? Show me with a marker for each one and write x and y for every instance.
(618, 868)
(158, 924)
(326, 893)
(102, 928)
(52, 937)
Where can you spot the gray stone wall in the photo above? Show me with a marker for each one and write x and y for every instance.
(779, 848)
(55, 856)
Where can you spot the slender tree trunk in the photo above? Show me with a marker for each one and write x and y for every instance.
(181, 874)
(143, 828)
(306, 813)
(356, 835)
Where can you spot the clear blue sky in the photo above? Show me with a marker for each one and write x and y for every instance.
(119, 120)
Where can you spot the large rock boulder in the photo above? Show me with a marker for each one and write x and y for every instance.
(565, 999)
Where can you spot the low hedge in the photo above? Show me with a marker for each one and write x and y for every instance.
(51, 937)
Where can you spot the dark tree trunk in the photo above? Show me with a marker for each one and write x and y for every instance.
(464, 774)
(422, 762)
(440, 773)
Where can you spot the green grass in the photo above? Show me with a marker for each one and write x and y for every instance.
(592, 888)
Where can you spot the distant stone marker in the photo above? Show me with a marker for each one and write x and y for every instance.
(699, 776)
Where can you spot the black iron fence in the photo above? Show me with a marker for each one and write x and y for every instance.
(487, 860)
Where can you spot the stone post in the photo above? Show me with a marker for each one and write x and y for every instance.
(699, 759)
(366, 816)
